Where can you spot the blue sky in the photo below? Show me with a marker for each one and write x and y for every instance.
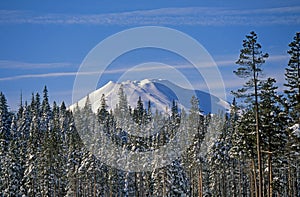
(44, 42)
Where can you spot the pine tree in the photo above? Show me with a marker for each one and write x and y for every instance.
(52, 163)
(37, 102)
(220, 160)
(45, 111)
(5, 121)
(120, 119)
(179, 184)
(149, 112)
(175, 114)
(102, 112)
(244, 149)
(24, 130)
(193, 157)
(44, 127)
(21, 108)
(31, 180)
(293, 167)
(63, 121)
(122, 107)
(250, 61)
(273, 123)
(170, 180)
(292, 77)
(74, 158)
(231, 129)
(86, 123)
(139, 112)
(15, 173)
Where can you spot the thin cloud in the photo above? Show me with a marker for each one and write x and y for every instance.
(203, 16)
(47, 75)
(6, 64)
(229, 60)
(221, 62)
(278, 58)
(65, 74)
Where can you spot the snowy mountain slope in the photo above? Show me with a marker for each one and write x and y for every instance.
(161, 93)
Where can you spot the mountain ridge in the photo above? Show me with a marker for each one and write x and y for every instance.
(159, 92)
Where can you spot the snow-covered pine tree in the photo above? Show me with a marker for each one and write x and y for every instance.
(52, 162)
(139, 113)
(175, 113)
(122, 106)
(37, 102)
(292, 77)
(21, 108)
(233, 167)
(14, 173)
(86, 124)
(46, 112)
(244, 149)
(293, 168)
(250, 61)
(5, 137)
(31, 180)
(274, 138)
(24, 129)
(170, 180)
(102, 112)
(219, 158)
(193, 158)
(179, 185)
(74, 157)
(64, 119)
(91, 176)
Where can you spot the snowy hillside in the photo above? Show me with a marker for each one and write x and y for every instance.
(161, 93)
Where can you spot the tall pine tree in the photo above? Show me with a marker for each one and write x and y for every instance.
(250, 61)
(292, 77)
(5, 121)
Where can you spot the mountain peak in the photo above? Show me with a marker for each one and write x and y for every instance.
(159, 92)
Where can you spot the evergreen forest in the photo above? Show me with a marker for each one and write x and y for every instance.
(251, 150)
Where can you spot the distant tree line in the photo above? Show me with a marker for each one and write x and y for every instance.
(254, 150)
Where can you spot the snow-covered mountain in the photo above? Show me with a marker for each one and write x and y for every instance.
(161, 93)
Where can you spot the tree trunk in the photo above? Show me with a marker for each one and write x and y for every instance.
(233, 176)
(136, 184)
(164, 184)
(254, 177)
(295, 179)
(270, 188)
(95, 188)
(252, 193)
(200, 182)
(260, 184)
(190, 178)
(110, 189)
(297, 182)
(289, 178)
(298, 67)
(240, 179)
(223, 182)
(270, 183)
